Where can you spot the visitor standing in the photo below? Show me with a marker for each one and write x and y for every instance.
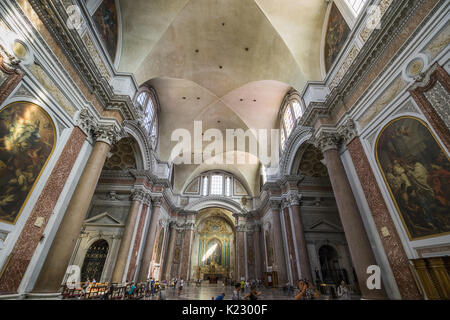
(343, 292)
(236, 296)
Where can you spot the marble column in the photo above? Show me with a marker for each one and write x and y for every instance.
(58, 257)
(357, 239)
(279, 251)
(303, 256)
(292, 258)
(170, 249)
(258, 253)
(240, 254)
(150, 241)
(186, 257)
(125, 245)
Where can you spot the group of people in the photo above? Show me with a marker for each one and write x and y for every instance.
(252, 295)
(307, 291)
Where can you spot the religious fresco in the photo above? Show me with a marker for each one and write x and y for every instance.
(106, 22)
(416, 170)
(27, 139)
(337, 33)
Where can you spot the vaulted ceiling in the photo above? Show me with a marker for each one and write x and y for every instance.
(228, 63)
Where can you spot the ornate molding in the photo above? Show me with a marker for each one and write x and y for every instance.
(54, 17)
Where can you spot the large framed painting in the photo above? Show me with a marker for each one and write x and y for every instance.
(106, 22)
(416, 170)
(27, 140)
(336, 34)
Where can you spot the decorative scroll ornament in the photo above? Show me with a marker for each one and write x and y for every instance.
(347, 131)
(326, 141)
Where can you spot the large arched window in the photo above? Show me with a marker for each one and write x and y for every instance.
(216, 183)
(146, 103)
(293, 110)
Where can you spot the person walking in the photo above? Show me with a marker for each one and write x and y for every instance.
(181, 286)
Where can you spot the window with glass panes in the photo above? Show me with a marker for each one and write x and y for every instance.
(288, 121)
(216, 184)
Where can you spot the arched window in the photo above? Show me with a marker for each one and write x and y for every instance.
(356, 6)
(298, 112)
(216, 183)
(288, 121)
(147, 105)
(292, 111)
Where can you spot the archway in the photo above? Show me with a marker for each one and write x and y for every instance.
(213, 253)
(332, 272)
(95, 260)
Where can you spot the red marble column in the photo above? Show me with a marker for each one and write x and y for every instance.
(150, 241)
(358, 242)
(127, 236)
(170, 250)
(137, 244)
(58, 257)
(392, 244)
(185, 259)
(303, 256)
(258, 253)
(240, 255)
(31, 235)
(279, 262)
(291, 248)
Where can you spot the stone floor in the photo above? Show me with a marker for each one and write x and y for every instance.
(208, 291)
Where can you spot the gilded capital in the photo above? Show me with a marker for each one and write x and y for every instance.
(157, 201)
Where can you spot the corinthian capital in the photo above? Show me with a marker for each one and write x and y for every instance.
(138, 195)
(294, 199)
(347, 131)
(157, 201)
(86, 121)
(109, 134)
(326, 140)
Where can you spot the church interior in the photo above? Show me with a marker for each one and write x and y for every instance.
(148, 145)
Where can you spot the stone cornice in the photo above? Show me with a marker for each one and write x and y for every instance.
(392, 23)
(54, 17)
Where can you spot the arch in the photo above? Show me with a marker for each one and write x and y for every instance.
(28, 136)
(218, 202)
(298, 137)
(239, 178)
(133, 129)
